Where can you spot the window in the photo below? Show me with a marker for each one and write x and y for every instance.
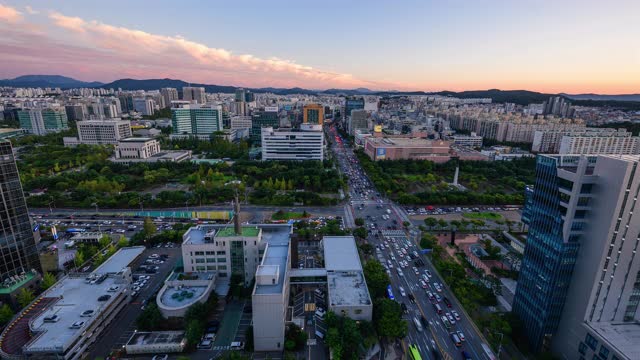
(586, 188)
(222, 267)
(358, 311)
(604, 352)
(583, 201)
(211, 267)
(582, 348)
(591, 342)
(574, 238)
(210, 252)
(199, 261)
(577, 226)
(200, 268)
(221, 252)
(211, 260)
(222, 260)
(199, 253)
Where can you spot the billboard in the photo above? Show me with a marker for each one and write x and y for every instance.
(381, 153)
(377, 128)
(271, 108)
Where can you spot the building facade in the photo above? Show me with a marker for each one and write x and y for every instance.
(144, 106)
(18, 252)
(471, 141)
(43, 121)
(388, 148)
(359, 120)
(579, 288)
(549, 141)
(101, 132)
(196, 119)
(352, 103)
(137, 148)
(289, 144)
(313, 114)
(594, 145)
(194, 94)
(268, 117)
(169, 95)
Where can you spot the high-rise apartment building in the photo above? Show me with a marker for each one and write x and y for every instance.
(559, 106)
(196, 119)
(144, 106)
(18, 252)
(607, 139)
(126, 102)
(43, 121)
(594, 145)
(579, 285)
(194, 94)
(307, 143)
(241, 102)
(313, 114)
(169, 95)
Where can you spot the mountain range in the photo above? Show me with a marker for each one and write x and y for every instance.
(522, 97)
(50, 81)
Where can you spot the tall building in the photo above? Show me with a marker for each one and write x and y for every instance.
(559, 106)
(43, 121)
(100, 132)
(18, 252)
(579, 285)
(241, 102)
(352, 103)
(194, 94)
(196, 119)
(359, 120)
(307, 143)
(263, 118)
(144, 106)
(126, 102)
(548, 141)
(313, 114)
(169, 95)
(76, 112)
(594, 145)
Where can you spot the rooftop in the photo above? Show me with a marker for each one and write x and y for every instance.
(136, 139)
(624, 337)
(180, 296)
(347, 288)
(341, 254)
(156, 337)
(248, 231)
(406, 142)
(276, 254)
(74, 296)
(121, 259)
(17, 282)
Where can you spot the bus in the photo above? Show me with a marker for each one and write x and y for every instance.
(390, 292)
(455, 339)
(413, 351)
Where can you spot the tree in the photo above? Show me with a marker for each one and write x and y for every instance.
(387, 319)
(431, 222)
(79, 258)
(194, 331)
(366, 248)
(123, 242)
(48, 279)
(149, 227)
(150, 318)
(236, 285)
(360, 232)
(359, 221)
(104, 241)
(343, 337)
(442, 223)
(25, 297)
(376, 278)
(5, 314)
(428, 241)
(406, 224)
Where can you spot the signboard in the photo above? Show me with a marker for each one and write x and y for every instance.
(381, 153)
(271, 108)
(377, 128)
(54, 232)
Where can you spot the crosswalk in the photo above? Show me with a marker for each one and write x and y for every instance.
(221, 348)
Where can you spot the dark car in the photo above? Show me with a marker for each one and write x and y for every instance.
(424, 321)
(446, 301)
(404, 308)
(465, 355)
(104, 298)
(411, 298)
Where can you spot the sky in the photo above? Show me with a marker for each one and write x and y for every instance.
(572, 46)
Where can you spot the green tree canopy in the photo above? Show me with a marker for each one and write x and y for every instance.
(25, 297)
(48, 279)
(376, 278)
(387, 319)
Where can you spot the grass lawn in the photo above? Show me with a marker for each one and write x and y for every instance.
(287, 215)
(483, 216)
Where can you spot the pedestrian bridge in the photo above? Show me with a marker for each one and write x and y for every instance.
(308, 276)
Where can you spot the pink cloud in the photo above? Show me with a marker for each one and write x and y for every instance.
(98, 51)
(9, 14)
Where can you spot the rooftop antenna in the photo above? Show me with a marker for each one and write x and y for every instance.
(236, 205)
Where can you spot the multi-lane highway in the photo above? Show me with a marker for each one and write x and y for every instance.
(412, 277)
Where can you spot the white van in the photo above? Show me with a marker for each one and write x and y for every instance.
(236, 345)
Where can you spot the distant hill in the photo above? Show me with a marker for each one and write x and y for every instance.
(44, 81)
(621, 97)
(522, 97)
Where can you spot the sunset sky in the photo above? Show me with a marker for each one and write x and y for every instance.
(573, 46)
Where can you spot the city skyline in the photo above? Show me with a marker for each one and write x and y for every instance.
(381, 46)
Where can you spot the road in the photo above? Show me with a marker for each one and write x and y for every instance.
(383, 220)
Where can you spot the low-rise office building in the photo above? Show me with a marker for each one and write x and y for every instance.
(399, 148)
(471, 141)
(43, 121)
(156, 342)
(307, 143)
(100, 132)
(137, 148)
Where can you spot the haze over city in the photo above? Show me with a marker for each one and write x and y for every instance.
(547, 46)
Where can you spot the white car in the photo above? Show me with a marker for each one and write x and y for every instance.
(402, 292)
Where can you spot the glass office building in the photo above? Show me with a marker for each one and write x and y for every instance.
(18, 252)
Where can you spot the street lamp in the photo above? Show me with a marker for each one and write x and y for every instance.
(96, 205)
(499, 344)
